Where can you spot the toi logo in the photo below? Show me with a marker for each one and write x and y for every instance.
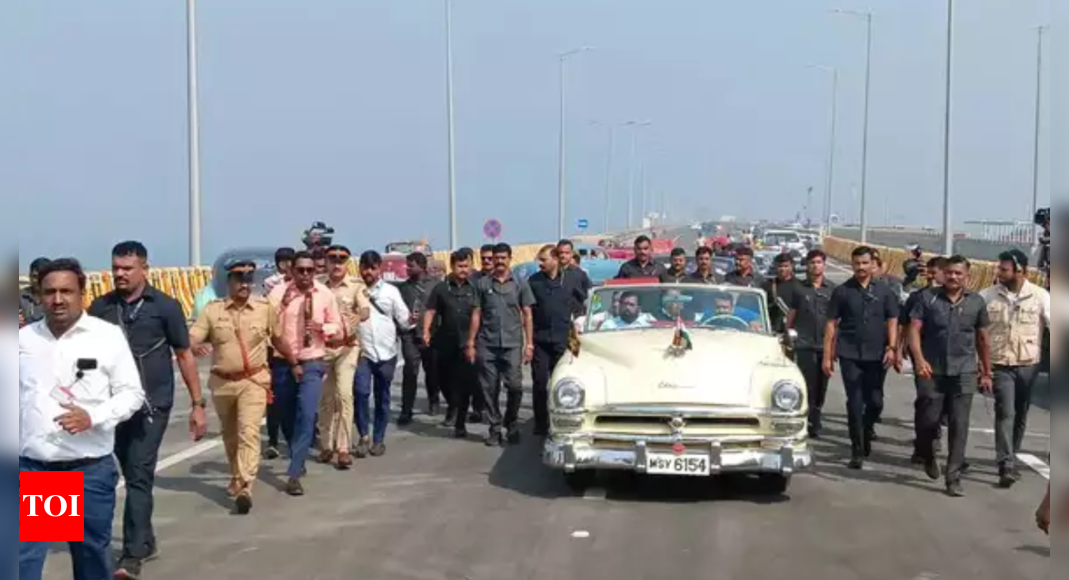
(52, 506)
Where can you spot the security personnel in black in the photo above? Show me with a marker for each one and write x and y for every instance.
(744, 274)
(155, 325)
(642, 265)
(30, 309)
(485, 267)
(948, 333)
(704, 274)
(676, 273)
(500, 343)
(415, 351)
(445, 326)
(808, 317)
(862, 333)
(569, 262)
(558, 298)
(933, 278)
(780, 291)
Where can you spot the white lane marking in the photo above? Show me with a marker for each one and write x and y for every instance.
(1036, 464)
(595, 494)
(580, 535)
(201, 448)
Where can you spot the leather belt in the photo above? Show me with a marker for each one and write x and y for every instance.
(240, 375)
(69, 465)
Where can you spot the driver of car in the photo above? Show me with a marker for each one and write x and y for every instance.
(724, 304)
(629, 314)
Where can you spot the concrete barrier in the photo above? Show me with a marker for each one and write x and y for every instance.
(932, 242)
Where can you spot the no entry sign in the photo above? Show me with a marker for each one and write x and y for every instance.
(492, 229)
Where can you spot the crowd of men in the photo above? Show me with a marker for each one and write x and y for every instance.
(316, 356)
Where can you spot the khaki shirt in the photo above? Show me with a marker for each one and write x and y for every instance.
(240, 337)
(352, 295)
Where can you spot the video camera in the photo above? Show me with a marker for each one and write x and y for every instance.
(1042, 217)
(320, 235)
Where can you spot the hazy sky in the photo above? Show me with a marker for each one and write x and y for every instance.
(334, 110)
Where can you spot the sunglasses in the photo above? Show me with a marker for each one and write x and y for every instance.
(338, 258)
(244, 277)
(304, 270)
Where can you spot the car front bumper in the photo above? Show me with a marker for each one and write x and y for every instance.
(782, 456)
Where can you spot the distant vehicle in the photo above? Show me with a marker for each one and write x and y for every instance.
(783, 240)
(264, 258)
(407, 247)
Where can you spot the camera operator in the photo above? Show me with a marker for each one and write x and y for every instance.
(1043, 263)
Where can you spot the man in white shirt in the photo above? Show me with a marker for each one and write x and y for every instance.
(77, 382)
(378, 361)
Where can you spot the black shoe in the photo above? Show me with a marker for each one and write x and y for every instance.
(513, 435)
(954, 489)
(271, 453)
(494, 439)
(1006, 479)
(128, 569)
(541, 432)
(917, 459)
(434, 410)
(450, 419)
(966, 467)
(814, 433)
(294, 488)
(856, 464)
(378, 450)
(243, 504)
(404, 420)
(475, 418)
(931, 469)
(1016, 474)
(937, 445)
(363, 447)
(867, 447)
(460, 434)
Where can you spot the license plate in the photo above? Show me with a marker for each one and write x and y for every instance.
(668, 464)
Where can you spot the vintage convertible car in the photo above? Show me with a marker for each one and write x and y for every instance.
(680, 380)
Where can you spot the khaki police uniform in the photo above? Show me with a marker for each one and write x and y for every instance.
(240, 380)
(336, 406)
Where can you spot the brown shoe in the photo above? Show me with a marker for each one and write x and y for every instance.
(326, 457)
(243, 503)
(294, 488)
(345, 461)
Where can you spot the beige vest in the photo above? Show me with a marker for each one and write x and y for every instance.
(1016, 327)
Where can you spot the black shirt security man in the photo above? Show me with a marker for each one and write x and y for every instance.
(414, 293)
(569, 262)
(30, 308)
(933, 280)
(948, 333)
(642, 265)
(808, 316)
(500, 343)
(744, 274)
(780, 291)
(155, 326)
(704, 274)
(862, 333)
(446, 327)
(676, 273)
(558, 298)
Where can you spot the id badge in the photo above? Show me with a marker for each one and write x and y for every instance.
(63, 395)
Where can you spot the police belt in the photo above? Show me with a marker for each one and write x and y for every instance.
(240, 375)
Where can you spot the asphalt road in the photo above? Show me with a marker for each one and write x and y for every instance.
(435, 508)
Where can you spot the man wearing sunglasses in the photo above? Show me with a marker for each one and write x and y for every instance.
(155, 326)
(240, 329)
(336, 408)
(1019, 312)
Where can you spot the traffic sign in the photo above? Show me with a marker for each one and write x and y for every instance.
(492, 229)
(584, 224)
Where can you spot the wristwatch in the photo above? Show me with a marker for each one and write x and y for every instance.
(202, 404)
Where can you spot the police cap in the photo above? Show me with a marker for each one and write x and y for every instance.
(242, 269)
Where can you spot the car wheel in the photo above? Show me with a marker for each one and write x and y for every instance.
(580, 481)
(774, 484)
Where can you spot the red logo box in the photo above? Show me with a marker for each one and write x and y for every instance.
(52, 506)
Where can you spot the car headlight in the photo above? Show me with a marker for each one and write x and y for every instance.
(787, 397)
(568, 395)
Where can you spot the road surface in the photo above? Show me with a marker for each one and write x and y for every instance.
(435, 508)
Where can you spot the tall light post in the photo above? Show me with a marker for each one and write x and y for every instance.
(606, 226)
(1041, 32)
(635, 126)
(193, 121)
(865, 131)
(948, 227)
(562, 59)
(453, 244)
(830, 178)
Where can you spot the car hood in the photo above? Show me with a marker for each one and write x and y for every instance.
(723, 368)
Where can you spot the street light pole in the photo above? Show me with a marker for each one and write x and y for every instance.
(608, 178)
(635, 126)
(830, 179)
(453, 244)
(193, 121)
(865, 131)
(1041, 32)
(948, 227)
(561, 178)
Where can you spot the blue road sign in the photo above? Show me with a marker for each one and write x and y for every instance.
(584, 224)
(492, 229)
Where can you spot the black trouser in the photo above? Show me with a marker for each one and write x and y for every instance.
(458, 380)
(957, 394)
(417, 355)
(496, 366)
(137, 447)
(1013, 401)
(274, 419)
(811, 362)
(864, 400)
(546, 357)
(919, 405)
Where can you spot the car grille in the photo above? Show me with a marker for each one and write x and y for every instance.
(654, 425)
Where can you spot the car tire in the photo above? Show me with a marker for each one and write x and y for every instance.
(580, 481)
(774, 484)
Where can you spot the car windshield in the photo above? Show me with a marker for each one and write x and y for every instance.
(780, 238)
(619, 308)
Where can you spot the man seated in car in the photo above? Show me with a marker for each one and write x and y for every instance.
(724, 304)
(629, 314)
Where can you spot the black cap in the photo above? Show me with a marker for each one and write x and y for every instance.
(242, 267)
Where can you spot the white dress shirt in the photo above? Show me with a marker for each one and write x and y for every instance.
(110, 394)
(378, 334)
(9, 443)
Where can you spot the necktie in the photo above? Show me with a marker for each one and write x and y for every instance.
(308, 314)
